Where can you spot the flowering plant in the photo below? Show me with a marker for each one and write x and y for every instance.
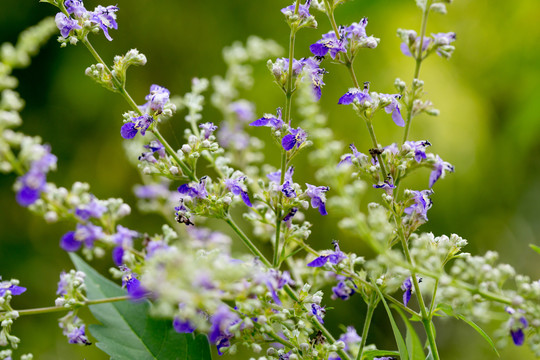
(187, 279)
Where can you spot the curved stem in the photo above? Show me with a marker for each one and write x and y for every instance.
(121, 89)
(254, 250)
(52, 309)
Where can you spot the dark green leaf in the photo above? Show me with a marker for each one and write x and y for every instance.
(481, 332)
(403, 354)
(416, 351)
(127, 332)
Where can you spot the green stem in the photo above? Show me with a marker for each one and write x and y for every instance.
(367, 322)
(343, 355)
(52, 309)
(170, 150)
(419, 60)
(376, 146)
(432, 305)
(287, 117)
(254, 250)
(121, 89)
(426, 319)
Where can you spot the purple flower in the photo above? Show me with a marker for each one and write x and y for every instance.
(66, 24)
(183, 326)
(105, 18)
(123, 239)
(63, 284)
(342, 290)
(393, 107)
(413, 44)
(318, 198)
(275, 281)
(237, 187)
(439, 170)
(355, 94)
(220, 333)
(92, 209)
(347, 159)
(315, 72)
(34, 181)
(419, 149)
(157, 99)
(318, 312)
(269, 120)
(303, 10)
(516, 327)
(132, 284)
(422, 203)
(69, 242)
(88, 233)
(155, 147)
(407, 286)
(152, 191)
(287, 187)
(78, 336)
(155, 246)
(12, 288)
(330, 44)
(141, 123)
(386, 185)
(208, 128)
(358, 29)
(441, 42)
(195, 191)
(296, 138)
(350, 338)
(75, 7)
(243, 109)
(332, 257)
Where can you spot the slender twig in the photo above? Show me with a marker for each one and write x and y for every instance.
(52, 309)
(372, 304)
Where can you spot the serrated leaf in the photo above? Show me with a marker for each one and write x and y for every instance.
(416, 351)
(370, 354)
(127, 332)
(403, 354)
(480, 331)
(535, 248)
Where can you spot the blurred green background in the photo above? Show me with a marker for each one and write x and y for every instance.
(489, 128)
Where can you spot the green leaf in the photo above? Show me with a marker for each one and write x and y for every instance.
(535, 248)
(370, 354)
(127, 332)
(403, 354)
(481, 332)
(416, 351)
(445, 308)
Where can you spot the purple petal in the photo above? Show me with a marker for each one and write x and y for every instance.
(318, 49)
(69, 243)
(128, 131)
(183, 327)
(260, 122)
(346, 99)
(318, 262)
(27, 196)
(245, 198)
(396, 116)
(288, 142)
(405, 49)
(518, 336)
(117, 255)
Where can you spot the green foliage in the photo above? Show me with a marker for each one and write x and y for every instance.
(127, 331)
(414, 346)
